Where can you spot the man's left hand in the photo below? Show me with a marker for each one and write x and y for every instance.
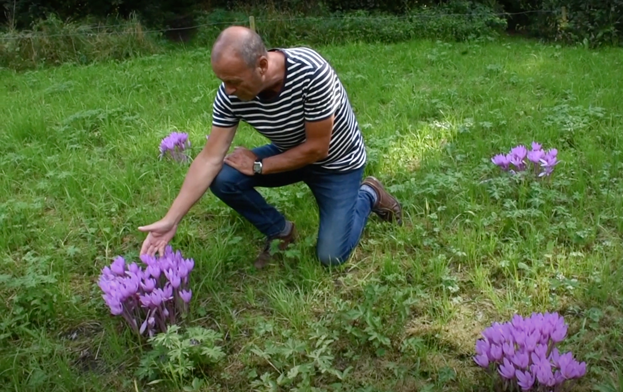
(242, 159)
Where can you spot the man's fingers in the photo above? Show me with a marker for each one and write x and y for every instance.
(152, 250)
(146, 228)
(144, 248)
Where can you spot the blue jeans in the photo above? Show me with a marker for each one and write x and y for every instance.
(343, 207)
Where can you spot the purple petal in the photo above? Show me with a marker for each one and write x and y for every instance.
(507, 370)
(509, 349)
(483, 347)
(133, 268)
(190, 264)
(580, 370)
(544, 374)
(156, 297)
(531, 341)
(186, 295)
(554, 356)
(525, 379)
(536, 146)
(149, 285)
(496, 352)
(167, 292)
(116, 310)
(520, 152)
(154, 270)
(145, 300)
(535, 156)
(521, 359)
(118, 266)
(175, 281)
(482, 360)
(143, 327)
(559, 333)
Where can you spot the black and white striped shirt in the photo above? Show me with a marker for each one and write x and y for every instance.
(312, 91)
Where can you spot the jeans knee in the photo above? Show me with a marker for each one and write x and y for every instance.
(330, 258)
(226, 182)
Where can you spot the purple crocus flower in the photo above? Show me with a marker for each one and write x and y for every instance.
(502, 160)
(520, 152)
(570, 368)
(535, 156)
(118, 266)
(148, 298)
(519, 157)
(154, 271)
(544, 374)
(531, 341)
(521, 359)
(175, 144)
(186, 295)
(507, 370)
(524, 354)
(525, 379)
(482, 360)
(148, 285)
(548, 163)
(509, 349)
(559, 331)
(496, 352)
(483, 347)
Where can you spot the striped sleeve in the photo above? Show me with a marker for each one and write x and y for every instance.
(222, 115)
(320, 101)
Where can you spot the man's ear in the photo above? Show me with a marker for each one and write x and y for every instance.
(263, 65)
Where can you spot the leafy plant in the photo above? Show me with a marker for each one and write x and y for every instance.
(180, 356)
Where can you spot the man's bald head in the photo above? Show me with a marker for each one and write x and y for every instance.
(240, 42)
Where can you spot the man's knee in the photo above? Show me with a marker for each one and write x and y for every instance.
(227, 181)
(331, 256)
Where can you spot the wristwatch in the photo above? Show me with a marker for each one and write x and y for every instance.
(257, 166)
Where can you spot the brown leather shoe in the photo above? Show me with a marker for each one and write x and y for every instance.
(264, 257)
(387, 207)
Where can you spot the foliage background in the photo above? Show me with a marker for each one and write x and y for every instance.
(592, 22)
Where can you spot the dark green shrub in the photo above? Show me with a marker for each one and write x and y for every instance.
(593, 22)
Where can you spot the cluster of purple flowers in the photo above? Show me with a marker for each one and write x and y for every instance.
(152, 298)
(519, 159)
(523, 353)
(175, 145)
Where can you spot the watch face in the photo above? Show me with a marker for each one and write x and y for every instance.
(257, 167)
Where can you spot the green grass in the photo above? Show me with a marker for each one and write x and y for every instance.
(80, 172)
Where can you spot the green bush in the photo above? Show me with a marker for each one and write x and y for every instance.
(459, 20)
(53, 42)
(592, 22)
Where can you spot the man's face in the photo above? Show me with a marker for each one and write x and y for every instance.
(240, 80)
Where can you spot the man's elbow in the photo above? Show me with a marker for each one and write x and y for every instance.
(320, 153)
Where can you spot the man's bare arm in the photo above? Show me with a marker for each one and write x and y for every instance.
(315, 148)
(202, 172)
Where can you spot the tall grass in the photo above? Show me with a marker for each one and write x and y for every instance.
(53, 42)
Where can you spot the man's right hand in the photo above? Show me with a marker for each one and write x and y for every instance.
(160, 233)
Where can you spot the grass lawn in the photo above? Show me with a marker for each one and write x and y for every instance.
(79, 172)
